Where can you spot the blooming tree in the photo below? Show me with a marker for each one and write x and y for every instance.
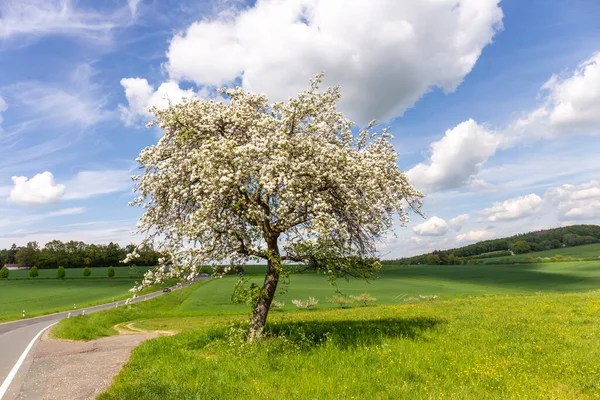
(230, 182)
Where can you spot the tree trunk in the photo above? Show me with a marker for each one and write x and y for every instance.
(259, 316)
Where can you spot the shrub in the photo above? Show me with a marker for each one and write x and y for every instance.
(364, 298)
(277, 305)
(111, 271)
(4, 273)
(340, 300)
(311, 302)
(87, 271)
(61, 273)
(206, 270)
(528, 259)
(33, 272)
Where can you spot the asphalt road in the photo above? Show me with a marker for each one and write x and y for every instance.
(15, 336)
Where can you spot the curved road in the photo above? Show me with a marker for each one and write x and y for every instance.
(16, 336)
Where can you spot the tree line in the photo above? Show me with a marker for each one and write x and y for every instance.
(75, 254)
(547, 239)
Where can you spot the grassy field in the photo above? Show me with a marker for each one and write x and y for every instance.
(484, 347)
(585, 251)
(46, 294)
(100, 272)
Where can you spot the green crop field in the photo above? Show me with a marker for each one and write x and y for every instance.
(585, 251)
(519, 338)
(46, 294)
(99, 272)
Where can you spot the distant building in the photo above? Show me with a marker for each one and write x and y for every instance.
(17, 266)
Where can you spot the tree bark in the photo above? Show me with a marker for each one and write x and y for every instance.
(259, 316)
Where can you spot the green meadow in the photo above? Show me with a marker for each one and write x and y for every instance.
(46, 294)
(494, 331)
(585, 251)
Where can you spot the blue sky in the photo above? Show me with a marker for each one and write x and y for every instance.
(495, 106)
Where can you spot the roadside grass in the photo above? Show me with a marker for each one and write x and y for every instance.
(489, 347)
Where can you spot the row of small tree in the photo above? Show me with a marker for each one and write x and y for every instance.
(61, 273)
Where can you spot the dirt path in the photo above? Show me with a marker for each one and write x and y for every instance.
(76, 370)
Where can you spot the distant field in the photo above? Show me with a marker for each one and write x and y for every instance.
(398, 283)
(100, 272)
(45, 296)
(585, 251)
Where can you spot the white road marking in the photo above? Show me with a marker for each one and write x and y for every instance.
(13, 372)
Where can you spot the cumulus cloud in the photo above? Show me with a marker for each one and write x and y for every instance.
(457, 222)
(41, 189)
(434, 226)
(571, 104)
(455, 158)
(515, 208)
(141, 96)
(384, 54)
(475, 236)
(576, 202)
(87, 184)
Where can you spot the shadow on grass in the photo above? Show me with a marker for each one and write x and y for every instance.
(352, 333)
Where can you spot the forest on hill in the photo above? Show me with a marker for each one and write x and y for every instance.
(547, 239)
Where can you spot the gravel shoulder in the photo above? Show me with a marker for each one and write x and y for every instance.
(76, 370)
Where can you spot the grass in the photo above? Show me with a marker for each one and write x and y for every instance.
(539, 346)
(585, 251)
(496, 331)
(396, 285)
(99, 272)
(42, 295)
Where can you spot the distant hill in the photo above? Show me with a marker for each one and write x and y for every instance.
(547, 239)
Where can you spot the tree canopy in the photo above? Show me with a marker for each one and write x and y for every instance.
(243, 180)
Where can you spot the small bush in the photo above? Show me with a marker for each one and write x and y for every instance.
(206, 270)
(340, 300)
(87, 271)
(364, 298)
(33, 272)
(277, 305)
(311, 302)
(61, 273)
(4, 272)
(111, 271)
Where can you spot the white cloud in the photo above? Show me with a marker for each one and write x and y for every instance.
(515, 208)
(141, 96)
(28, 219)
(576, 202)
(36, 18)
(384, 54)
(434, 226)
(457, 222)
(475, 236)
(41, 189)
(572, 104)
(76, 102)
(3, 107)
(92, 183)
(456, 158)
(479, 185)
